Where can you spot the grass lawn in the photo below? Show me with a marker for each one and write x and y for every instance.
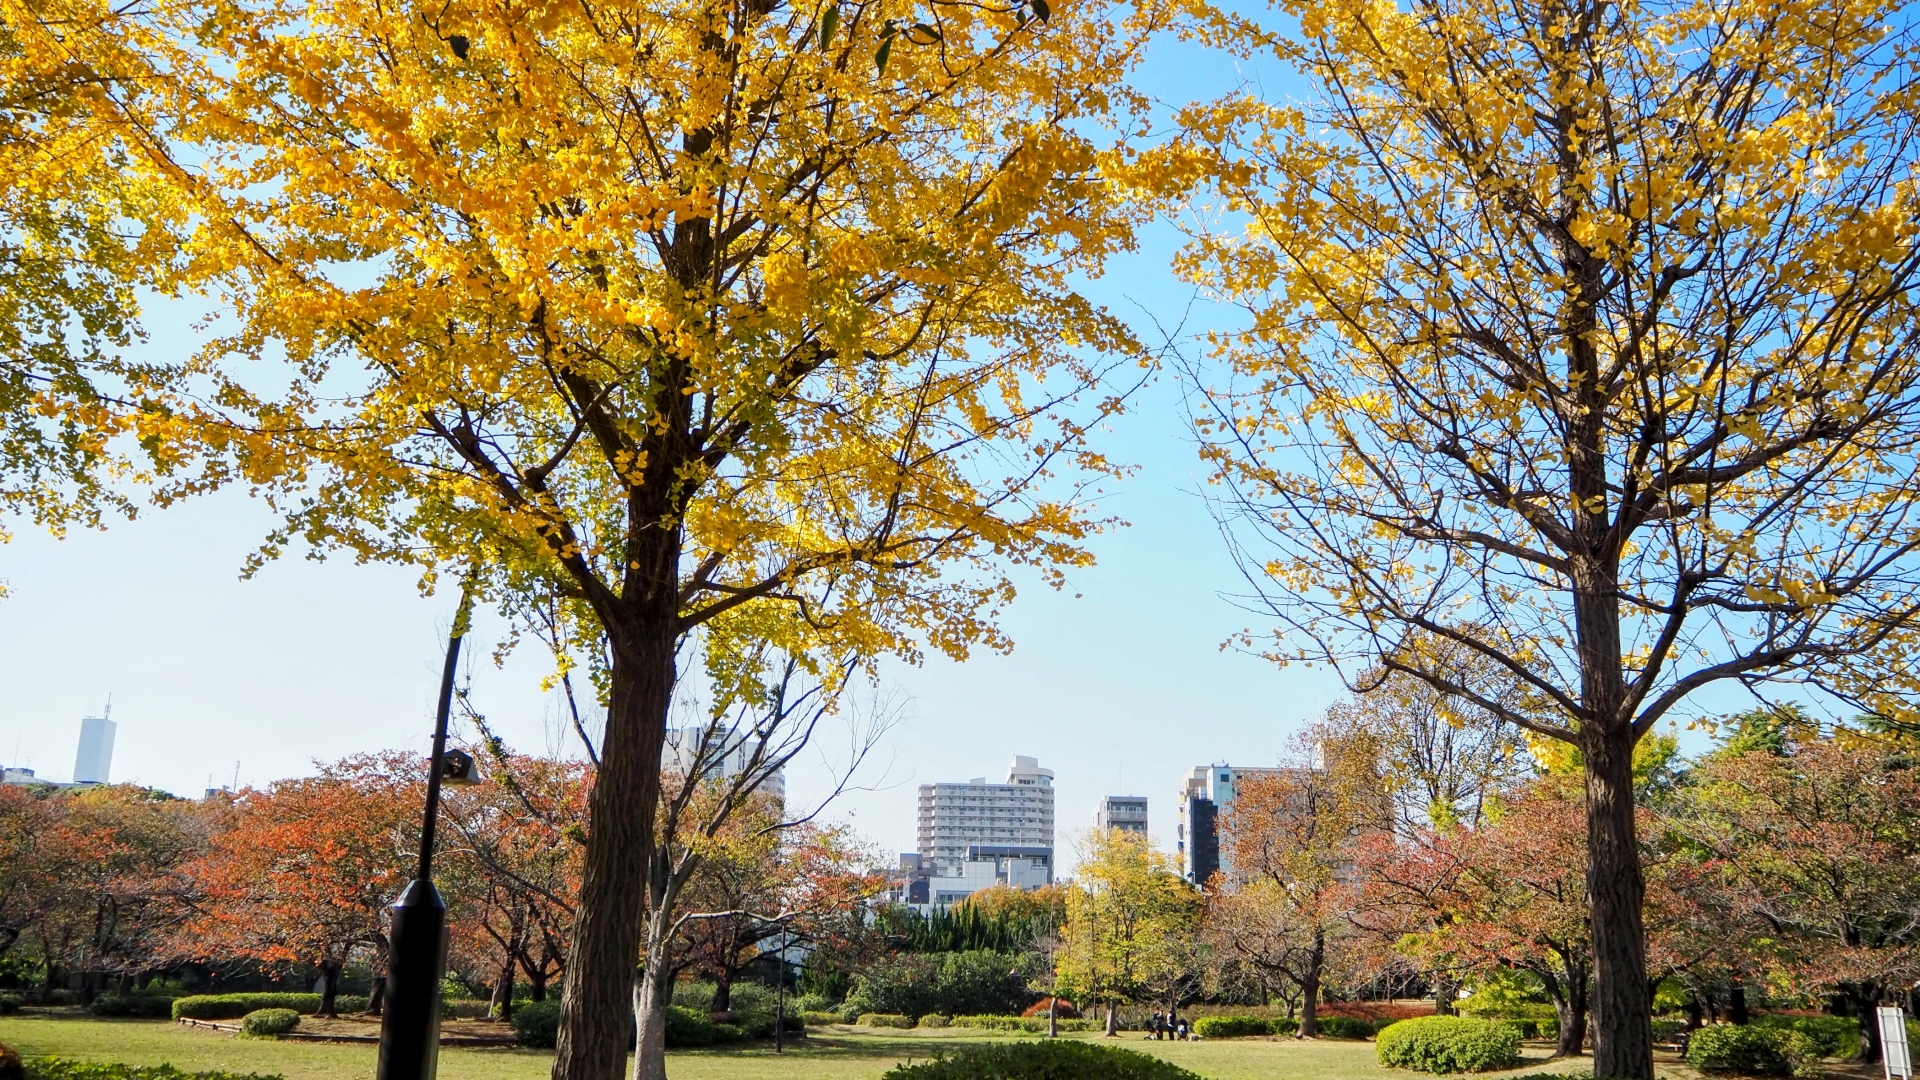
(831, 1054)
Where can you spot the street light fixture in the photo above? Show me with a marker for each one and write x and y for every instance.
(417, 954)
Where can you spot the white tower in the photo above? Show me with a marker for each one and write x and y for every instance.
(90, 765)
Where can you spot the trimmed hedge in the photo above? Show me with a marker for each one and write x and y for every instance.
(1750, 1050)
(1342, 1027)
(11, 1003)
(151, 1006)
(1042, 1061)
(269, 1023)
(64, 1069)
(235, 1006)
(1030, 1024)
(817, 1016)
(885, 1020)
(1448, 1044)
(1232, 1027)
(934, 1020)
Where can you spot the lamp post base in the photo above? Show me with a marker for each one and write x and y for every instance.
(410, 1029)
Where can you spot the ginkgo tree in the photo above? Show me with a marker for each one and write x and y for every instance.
(749, 318)
(1580, 338)
(78, 233)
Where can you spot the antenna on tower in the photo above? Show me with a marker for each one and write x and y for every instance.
(236, 777)
(107, 714)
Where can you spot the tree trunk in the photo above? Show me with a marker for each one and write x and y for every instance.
(1113, 1020)
(1570, 992)
(722, 990)
(1691, 1006)
(651, 993)
(596, 1003)
(1622, 1008)
(329, 987)
(377, 997)
(536, 978)
(1737, 1005)
(1310, 986)
(1053, 1014)
(501, 1007)
(1445, 993)
(1864, 999)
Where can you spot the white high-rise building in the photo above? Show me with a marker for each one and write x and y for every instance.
(95, 757)
(727, 753)
(977, 821)
(1127, 813)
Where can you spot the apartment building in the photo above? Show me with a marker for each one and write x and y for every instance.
(977, 834)
(1125, 812)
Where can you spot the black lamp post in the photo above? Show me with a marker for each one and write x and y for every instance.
(417, 958)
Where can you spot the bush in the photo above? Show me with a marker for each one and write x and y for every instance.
(951, 984)
(1448, 1044)
(1749, 1050)
(1030, 1024)
(11, 1003)
(1666, 1031)
(1284, 1025)
(151, 1006)
(537, 1024)
(744, 997)
(817, 1016)
(1231, 1027)
(816, 1003)
(269, 1023)
(1342, 1027)
(934, 1020)
(1064, 1010)
(1832, 1036)
(1041, 1061)
(63, 1069)
(1528, 1029)
(10, 1065)
(235, 1006)
(885, 1020)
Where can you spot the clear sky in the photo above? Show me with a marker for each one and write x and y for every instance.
(1119, 684)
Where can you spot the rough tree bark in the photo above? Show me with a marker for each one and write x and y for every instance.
(597, 1001)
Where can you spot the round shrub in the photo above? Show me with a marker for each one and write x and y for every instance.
(1231, 1027)
(1342, 1027)
(1448, 1044)
(11, 1003)
(536, 1024)
(1042, 1060)
(10, 1066)
(269, 1023)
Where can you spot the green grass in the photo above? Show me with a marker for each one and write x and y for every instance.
(824, 1055)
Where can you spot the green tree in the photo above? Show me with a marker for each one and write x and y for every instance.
(1129, 918)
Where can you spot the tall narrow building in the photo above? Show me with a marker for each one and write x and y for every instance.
(1128, 813)
(95, 757)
